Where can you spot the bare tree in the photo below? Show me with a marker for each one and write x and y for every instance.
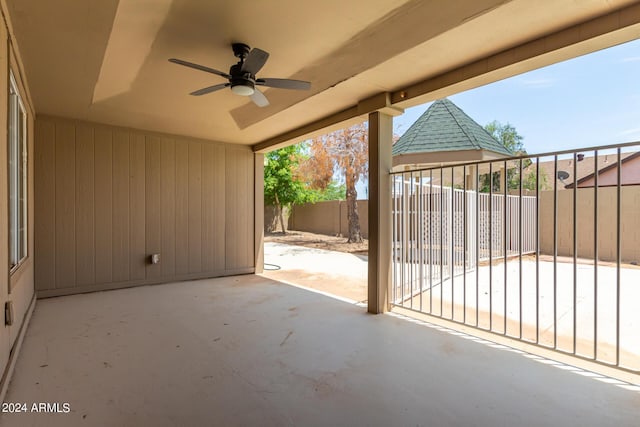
(347, 152)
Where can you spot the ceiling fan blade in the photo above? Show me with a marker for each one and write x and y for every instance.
(209, 89)
(259, 99)
(255, 61)
(199, 67)
(284, 84)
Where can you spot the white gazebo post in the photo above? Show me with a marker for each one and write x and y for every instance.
(502, 180)
(470, 178)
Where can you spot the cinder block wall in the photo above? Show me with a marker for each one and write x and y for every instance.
(607, 240)
(327, 218)
(271, 220)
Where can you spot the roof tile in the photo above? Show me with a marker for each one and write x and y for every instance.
(445, 127)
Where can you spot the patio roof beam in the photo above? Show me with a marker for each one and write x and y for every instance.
(379, 102)
(327, 124)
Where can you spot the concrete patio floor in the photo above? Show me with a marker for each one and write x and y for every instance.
(336, 273)
(247, 350)
(540, 308)
(345, 275)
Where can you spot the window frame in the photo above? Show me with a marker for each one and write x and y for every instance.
(17, 165)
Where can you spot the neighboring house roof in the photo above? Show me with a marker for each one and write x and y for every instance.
(446, 128)
(585, 167)
(608, 176)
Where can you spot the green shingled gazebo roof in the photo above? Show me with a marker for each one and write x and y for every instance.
(445, 134)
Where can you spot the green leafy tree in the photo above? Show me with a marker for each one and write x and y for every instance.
(529, 180)
(507, 135)
(283, 185)
(510, 138)
(333, 191)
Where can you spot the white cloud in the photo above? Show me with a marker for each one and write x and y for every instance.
(631, 59)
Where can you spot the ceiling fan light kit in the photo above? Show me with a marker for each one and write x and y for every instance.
(242, 76)
(243, 89)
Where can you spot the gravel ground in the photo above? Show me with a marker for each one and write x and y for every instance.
(318, 241)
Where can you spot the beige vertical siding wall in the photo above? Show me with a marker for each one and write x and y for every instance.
(607, 202)
(109, 197)
(17, 286)
(327, 217)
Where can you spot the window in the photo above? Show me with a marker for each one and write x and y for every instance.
(17, 177)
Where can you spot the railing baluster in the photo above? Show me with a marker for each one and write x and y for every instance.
(575, 248)
(537, 237)
(490, 246)
(618, 252)
(421, 237)
(477, 266)
(441, 236)
(595, 257)
(505, 184)
(464, 245)
(393, 238)
(412, 215)
(452, 227)
(431, 241)
(403, 259)
(520, 249)
(555, 251)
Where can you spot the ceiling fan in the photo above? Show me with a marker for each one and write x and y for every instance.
(242, 76)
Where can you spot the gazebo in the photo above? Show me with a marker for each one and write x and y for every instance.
(443, 135)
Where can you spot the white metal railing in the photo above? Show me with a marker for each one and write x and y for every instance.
(555, 265)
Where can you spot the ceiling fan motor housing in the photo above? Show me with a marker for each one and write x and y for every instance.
(241, 78)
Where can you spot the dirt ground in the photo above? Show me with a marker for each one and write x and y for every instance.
(318, 241)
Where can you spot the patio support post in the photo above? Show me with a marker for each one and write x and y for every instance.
(380, 164)
(258, 203)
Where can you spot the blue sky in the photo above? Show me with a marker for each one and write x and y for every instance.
(586, 101)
